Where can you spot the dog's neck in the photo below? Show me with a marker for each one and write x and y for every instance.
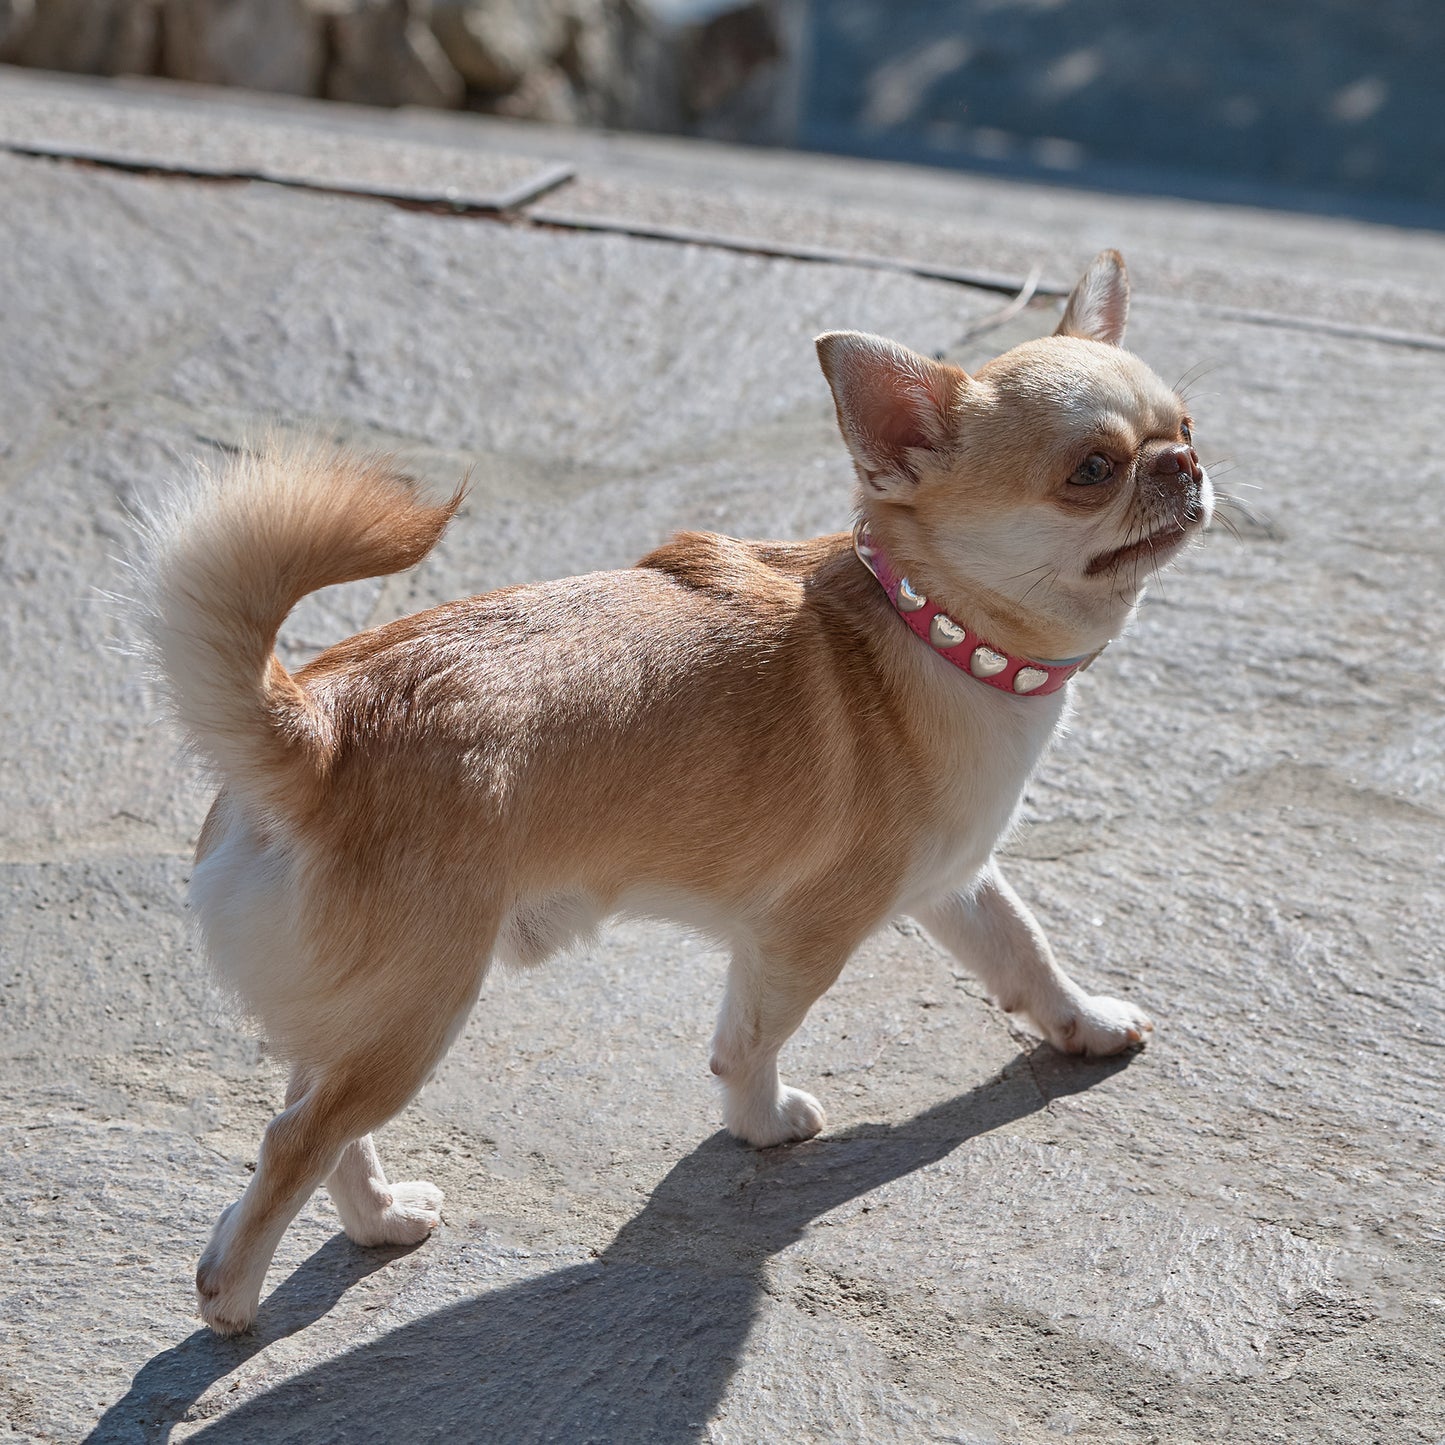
(1052, 633)
(985, 661)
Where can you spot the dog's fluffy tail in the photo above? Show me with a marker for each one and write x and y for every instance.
(226, 558)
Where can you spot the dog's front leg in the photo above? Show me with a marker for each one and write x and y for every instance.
(990, 930)
(769, 991)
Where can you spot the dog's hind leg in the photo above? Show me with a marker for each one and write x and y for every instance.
(301, 1147)
(323, 1134)
(372, 1210)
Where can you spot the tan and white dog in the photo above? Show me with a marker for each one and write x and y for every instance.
(785, 743)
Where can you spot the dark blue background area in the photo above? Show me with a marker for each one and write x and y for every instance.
(1323, 104)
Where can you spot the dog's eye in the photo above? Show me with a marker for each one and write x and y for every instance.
(1096, 468)
(1186, 430)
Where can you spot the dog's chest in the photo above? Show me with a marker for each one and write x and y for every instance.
(979, 771)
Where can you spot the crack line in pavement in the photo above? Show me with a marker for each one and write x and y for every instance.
(1017, 287)
(445, 201)
(792, 251)
(510, 209)
(1354, 331)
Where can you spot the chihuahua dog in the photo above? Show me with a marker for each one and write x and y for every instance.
(785, 744)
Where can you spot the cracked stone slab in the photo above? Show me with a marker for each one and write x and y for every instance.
(154, 132)
(106, 279)
(1188, 1291)
(1402, 302)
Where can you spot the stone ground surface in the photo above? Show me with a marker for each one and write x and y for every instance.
(1234, 1236)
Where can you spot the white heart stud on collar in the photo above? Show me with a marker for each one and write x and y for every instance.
(908, 599)
(944, 632)
(985, 662)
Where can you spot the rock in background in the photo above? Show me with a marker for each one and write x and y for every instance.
(1322, 105)
(94, 37)
(15, 16)
(384, 53)
(718, 69)
(278, 45)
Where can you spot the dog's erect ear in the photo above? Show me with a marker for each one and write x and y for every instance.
(892, 404)
(1099, 305)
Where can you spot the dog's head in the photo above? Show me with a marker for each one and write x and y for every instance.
(1039, 493)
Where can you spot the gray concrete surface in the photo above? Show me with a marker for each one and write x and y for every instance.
(1235, 1236)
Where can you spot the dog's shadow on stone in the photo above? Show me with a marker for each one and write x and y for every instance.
(636, 1345)
(166, 1387)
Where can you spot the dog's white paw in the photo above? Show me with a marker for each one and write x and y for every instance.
(791, 1115)
(226, 1311)
(1100, 1026)
(228, 1292)
(414, 1211)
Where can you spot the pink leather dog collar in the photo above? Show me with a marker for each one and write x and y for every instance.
(966, 650)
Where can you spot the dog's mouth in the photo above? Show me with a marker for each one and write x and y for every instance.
(1178, 505)
(1156, 548)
